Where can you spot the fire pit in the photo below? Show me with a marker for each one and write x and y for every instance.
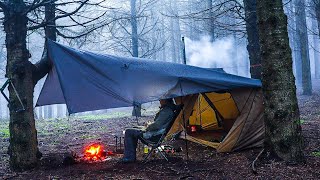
(94, 152)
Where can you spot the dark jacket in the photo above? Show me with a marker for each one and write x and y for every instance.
(162, 119)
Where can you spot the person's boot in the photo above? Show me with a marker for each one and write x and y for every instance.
(127, 160)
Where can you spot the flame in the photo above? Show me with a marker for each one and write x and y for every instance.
(94, 152)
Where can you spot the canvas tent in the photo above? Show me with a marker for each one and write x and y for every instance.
(213, 100)
(227, 121)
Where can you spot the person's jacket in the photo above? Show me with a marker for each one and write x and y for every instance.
(161, 121)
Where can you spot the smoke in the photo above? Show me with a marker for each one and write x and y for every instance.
(223, 53)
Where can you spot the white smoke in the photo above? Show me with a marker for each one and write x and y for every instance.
(221, 53)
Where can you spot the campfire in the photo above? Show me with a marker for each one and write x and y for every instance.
(94, 152)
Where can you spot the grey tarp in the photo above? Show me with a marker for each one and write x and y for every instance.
(87, 81)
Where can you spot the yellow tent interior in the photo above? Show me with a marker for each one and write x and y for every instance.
(226, 121)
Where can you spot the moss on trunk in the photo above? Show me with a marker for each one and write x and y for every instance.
(283, 130)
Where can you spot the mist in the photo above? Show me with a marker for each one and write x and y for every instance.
(223, 53)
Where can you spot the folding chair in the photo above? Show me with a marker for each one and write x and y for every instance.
(156, 140)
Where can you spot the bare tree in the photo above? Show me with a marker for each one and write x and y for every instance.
(303, 45)
(317, 12)
(121, 30)
(19, 17)
(175, 32)
(316, 51)
(135, 46)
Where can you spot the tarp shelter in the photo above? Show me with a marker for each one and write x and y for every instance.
(213, 100)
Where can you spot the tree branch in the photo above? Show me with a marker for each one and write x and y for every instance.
(44, 23)
(34, 5)
(88, 31)
(42, 67)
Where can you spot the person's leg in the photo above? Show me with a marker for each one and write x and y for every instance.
(130, 143)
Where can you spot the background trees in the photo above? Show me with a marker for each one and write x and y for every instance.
(303, 59)
(253, 47)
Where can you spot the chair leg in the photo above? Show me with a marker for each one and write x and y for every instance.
(161, 153)
(145, 159)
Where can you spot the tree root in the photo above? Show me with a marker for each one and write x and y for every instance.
(254, 170)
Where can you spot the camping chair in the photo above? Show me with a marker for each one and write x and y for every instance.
(156, 140)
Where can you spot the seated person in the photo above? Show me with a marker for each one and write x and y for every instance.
(161, 121)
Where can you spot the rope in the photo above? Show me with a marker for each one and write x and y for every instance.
(255, 65)
(16, 92)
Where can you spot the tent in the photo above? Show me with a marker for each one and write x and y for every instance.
(214, 101)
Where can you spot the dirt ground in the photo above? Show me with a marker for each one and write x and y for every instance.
(58, 138)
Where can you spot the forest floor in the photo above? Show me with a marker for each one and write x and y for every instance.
(59, 137)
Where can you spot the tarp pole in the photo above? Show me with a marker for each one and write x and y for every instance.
(135, 112)
(184, 124)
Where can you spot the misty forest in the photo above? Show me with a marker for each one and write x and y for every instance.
(160, 89)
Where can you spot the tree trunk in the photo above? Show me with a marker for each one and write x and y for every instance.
(173, 42)
(282, 119)
(235, 54)
(50, 31)
(210, 21)
(40, 109)
(163, 37)
(134, 29)
(23, 149)
(23, 135)
(297, 55)
(45, 112)
(154, 34)
(135, 44)
(59, 111)
(175, 34)
(7, 113)
(1, 104)
(317, 11)
(317, 61)
(253, 47)
(291, 33)
(40, 114)
(50, 112)
(316, 50)
(301, 30)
